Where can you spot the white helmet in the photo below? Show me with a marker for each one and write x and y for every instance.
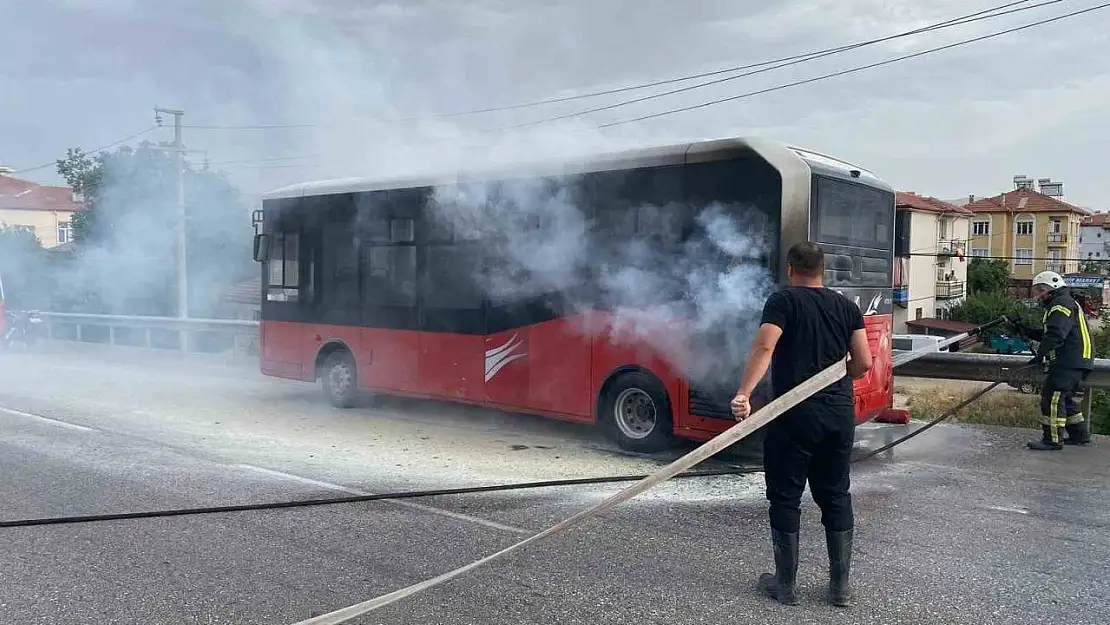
(1051, 279)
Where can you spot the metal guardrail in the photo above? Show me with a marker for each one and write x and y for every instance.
(117, 329)
(991, 368)
(238, 336)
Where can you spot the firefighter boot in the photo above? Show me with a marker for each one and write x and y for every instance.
(1078, 434)
(840, 563)
(780, 586)
(1046, 443)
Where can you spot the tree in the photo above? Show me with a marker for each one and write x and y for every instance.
(987, 276)
(125, 258)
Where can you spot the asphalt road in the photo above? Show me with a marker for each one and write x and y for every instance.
(961, 525)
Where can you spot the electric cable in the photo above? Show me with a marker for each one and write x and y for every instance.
(500, 129)
(993, 12)
(856, 69)
(96, 151)
(959, 21)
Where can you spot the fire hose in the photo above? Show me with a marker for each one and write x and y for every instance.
(676, 469)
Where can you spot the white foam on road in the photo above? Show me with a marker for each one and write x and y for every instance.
(48, 420)
(396, 502)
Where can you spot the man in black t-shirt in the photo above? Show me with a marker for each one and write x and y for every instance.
(806, 328)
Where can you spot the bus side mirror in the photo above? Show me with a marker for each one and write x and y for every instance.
(261, 247)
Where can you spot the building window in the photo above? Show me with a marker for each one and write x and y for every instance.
(981, 228)
(1023, 257)
(65, 233)
(1024, 228)
(918, 312)
(980, 252)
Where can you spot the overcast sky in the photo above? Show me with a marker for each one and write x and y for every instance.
(962, 121)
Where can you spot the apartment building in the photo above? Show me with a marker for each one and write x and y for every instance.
(47, 211)
(930, 272)
(1094, 237)
(1033, 228)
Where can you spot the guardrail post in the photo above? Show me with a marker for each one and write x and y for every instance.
(111, 335)
(78, 328)
(1088, 406)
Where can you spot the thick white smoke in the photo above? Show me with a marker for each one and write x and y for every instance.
(696, 302)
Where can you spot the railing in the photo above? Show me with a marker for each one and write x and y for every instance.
(950, 247)
(237, 336)
(992, 368)
(1057, 267)
(949, 289)
(1057, 237)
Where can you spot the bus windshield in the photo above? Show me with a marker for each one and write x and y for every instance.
(852, 214)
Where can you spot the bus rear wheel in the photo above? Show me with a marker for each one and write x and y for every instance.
(635, 413)
(339, 379)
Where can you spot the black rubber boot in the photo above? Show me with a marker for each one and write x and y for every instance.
(1078, 434)
(1046, 443)
(780, 586)
(840, 564)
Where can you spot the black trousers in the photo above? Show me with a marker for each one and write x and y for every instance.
(1059, 407)
(813, 442)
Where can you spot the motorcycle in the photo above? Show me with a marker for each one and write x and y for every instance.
(21, 328)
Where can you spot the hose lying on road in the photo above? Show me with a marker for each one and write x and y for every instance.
(327, 501)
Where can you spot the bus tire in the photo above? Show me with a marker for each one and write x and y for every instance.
(339, 379)
(635, 413)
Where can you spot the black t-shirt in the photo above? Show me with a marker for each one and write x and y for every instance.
(817, 326)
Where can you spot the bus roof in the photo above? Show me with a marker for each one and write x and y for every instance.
(674, 154)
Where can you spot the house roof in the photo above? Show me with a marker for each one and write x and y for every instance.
(1098, 219)
(913, 201)
(1024, 201)
(246, 292)
(16, 193)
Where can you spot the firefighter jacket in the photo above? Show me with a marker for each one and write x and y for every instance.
(1065, 341)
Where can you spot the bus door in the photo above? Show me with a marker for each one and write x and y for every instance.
(287, 285)
(390, 341)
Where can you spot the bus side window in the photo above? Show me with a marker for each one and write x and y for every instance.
(389, 273)
(451, 277)
(339, 292)
(283, 281)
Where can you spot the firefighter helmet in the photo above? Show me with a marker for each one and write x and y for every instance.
(1050, 279)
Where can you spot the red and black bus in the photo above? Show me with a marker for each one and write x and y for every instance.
(364, 289)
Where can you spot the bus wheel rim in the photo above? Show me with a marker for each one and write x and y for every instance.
(340, 379)
(635, 413)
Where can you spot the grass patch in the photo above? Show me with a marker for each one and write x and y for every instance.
(1003, 408)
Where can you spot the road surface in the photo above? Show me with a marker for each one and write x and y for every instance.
(961, 525)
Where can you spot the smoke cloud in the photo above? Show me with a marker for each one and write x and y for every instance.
(694, 300)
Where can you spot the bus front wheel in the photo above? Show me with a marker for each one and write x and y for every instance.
(635, 413)
(339, 379)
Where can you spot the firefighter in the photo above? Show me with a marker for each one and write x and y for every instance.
(805, 328)
(1067, 354)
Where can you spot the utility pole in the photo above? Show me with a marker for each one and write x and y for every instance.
(179, 165)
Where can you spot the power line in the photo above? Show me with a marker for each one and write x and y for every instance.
(958, 21)
(111, 145)
(826, 76)
(856, 69)
(991, 13)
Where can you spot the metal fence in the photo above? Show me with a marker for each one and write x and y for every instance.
(241, 337)
(237, 336)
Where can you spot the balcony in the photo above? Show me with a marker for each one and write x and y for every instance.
(901, 296)
(949, 289)
(1057, 238)
(1058, 267)
(950, 247)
